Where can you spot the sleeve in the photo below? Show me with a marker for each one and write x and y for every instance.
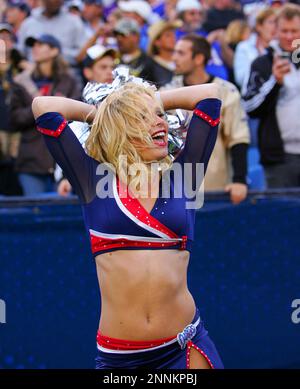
(234, 123)
(62, 143)
(239, 163)
(241, 64)
(201, 136)
(262, 90)
(21, 116)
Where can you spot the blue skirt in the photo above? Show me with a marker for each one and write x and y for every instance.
(172, 355)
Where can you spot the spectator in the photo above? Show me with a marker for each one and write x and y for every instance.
(191, 13)
(99, 64)
(162, 41)
(75, 7)
(127, 33)
(273, 96)
(33, 4)
(53, 19)
(221, 14)
(93, 16)
(17, 11)
(3, 6)
(255, 45)
(191, 55)
(141, 12)
(277, 3)
(10, 65)
(236, 32)
(114, 16)
(166, 9)
(50, 77)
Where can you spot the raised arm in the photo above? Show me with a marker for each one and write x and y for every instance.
(68, 108)
(202, 133)
(188, 97)
(51, 115)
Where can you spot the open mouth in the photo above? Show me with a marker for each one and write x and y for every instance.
(160, 138)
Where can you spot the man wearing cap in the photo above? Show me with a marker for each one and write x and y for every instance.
(191, 13)
(49, 77)
(53, 19)
(191, 55)
(17, 11)
(99, 64)
(162, 41)
(141, 12)
(127, 33)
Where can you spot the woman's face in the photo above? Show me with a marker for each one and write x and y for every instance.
(42, 52)
(159, 134)
(267, 30)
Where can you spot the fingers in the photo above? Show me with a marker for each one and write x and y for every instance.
(64, 188)
(280, 68)
(282, 65)
(238, 192)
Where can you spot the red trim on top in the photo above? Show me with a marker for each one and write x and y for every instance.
(207, 118)
(99, 244)
(133, 205)
(183, 242)
(120, 344)
(54, 133)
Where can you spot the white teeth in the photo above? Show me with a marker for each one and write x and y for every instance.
(161, 133)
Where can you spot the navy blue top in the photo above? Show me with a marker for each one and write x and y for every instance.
(119, 221)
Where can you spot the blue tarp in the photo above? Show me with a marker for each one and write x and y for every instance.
(244, 274)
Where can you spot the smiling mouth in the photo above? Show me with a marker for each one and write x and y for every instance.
(159, 138)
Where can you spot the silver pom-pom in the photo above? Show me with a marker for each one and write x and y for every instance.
(95, 93)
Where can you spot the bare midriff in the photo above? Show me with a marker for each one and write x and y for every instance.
(144, 293)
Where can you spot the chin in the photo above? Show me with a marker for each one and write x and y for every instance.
(156, 155)
(161, 155)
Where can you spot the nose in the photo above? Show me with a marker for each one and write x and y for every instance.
(160, 122)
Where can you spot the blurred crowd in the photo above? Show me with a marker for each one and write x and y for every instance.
(250, 48)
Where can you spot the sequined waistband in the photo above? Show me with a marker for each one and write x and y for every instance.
(120, 346)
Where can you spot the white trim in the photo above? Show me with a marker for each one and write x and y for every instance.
(109, 351)
(256, 100)
(133, 237)
(131, 216)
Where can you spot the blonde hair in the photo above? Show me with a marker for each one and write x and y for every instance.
(235, 31)
(289, 12)
(263, 15)
(124, 117)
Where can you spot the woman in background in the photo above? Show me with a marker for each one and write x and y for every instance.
(49, 76)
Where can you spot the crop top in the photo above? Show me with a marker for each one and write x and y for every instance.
(120, 221)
